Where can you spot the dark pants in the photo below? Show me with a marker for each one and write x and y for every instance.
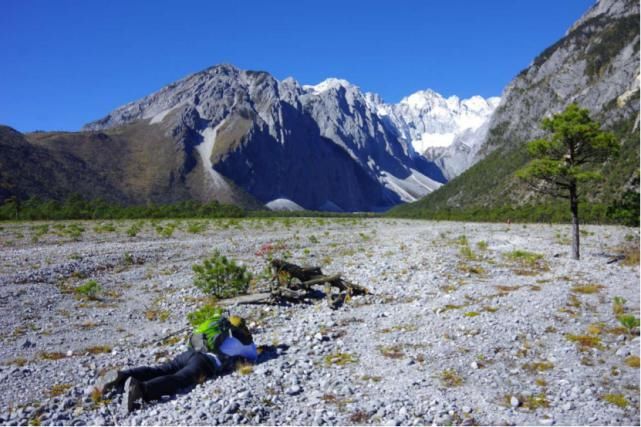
(185, 371)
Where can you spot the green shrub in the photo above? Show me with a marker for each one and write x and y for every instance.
(167, 230)
(196, 227)
(89, 290)
(221, 277)
(74, 231)
(628, 321)
(104, 228)
(128, 258)
(205, 312)
(134, 229)
(467, 253)
(524, 256)
(39, 231)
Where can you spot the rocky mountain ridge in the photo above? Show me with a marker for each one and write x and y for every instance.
(447, 131)
(327, 146)
(596, 65)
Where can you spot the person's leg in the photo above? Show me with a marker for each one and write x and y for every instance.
(196, 370)
(116, 379)
(146, 373)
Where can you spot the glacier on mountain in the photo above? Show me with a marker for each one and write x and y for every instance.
(440, 128)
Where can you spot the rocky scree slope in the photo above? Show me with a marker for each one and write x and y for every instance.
(596, 65)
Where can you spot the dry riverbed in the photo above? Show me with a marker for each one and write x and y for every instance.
(467, 323)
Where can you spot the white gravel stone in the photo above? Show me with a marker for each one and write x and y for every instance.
(409, 286)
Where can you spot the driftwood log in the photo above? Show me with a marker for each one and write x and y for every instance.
(291, 282)
(309, 276)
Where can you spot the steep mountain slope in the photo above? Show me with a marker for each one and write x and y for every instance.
(244, 137)
(28, 170)
(596, 64)
(129, 164)
(319, 147)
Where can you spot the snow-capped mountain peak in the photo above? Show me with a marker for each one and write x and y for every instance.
(246, 124)
(427, 119)
(328, 84)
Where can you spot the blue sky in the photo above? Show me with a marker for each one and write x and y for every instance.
(67, 62)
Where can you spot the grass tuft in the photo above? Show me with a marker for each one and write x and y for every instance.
(58, 389)
(97, 397)
(88, 290)
(97, 349)
(153, 314)
(541, 382)
(531, 263)
(536, 401)
(452, 307)
(340, 359)
(373, 378)
(53, 355)
(467, 253)
(585, 341)
(404, 327)
(471, 269)
(450, 378)
(359, 417)
(587, 289)
(628, 321)
(616, 399)
(631, 253)
(244, 368)
(594, 329)
(538, 366)
(524, 256)
(632, 361)
(505, 289)
(618, 305)
(391, 352)
(18, 361)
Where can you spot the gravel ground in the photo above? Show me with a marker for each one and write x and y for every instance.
(459, 329)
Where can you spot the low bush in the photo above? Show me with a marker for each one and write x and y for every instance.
(205, 312)
(628, 321)
(221, 277)
(89, 290)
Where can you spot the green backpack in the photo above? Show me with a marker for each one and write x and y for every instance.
(205, 336)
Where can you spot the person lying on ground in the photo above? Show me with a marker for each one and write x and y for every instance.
(215, 347)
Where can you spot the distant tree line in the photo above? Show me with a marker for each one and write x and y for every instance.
(75, 207)
(625, 211)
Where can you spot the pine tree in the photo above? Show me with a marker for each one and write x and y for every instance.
(567, 157)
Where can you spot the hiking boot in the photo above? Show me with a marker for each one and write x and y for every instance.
(133, 393)
(112, 380)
